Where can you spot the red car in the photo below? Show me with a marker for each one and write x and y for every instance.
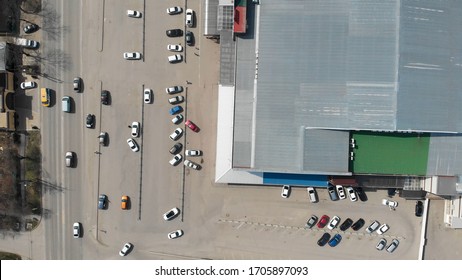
(323, 221)
(192, 126)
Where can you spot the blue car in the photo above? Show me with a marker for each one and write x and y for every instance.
(335, 240)
(175, 110)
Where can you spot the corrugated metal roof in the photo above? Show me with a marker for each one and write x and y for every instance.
(445, 155)
(430, 68)
(382, 65)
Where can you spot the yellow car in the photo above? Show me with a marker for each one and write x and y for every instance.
(124, 202)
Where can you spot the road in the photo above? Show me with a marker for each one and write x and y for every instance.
(220, 222)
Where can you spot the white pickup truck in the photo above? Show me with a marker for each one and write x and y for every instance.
(26, 43)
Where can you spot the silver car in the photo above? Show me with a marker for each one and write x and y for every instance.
(372, 227)
(174, 89)
(176, 99)
(392, 247)
(381, 245)
(192, 165)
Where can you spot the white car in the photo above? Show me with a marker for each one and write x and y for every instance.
(285, 191)
(176, 159)
(172, 213)
(147, 94)
(175, 234)
(135, 129)
(382, 229)
(76, 230)
(177, 119)
(372, 227)
(133, 14)
(340, 191)
(312, 194)
(174, 89)
(174, 10)
(176, 100)
(333, 222)
(191, 164)
(175, 58)
(28, 85)
(174, 48)
(176, 134)
(133, 145)
(189, 18)
(125, 249)
(193, 153)
(132, 55)
(390, 203)
(352, 194)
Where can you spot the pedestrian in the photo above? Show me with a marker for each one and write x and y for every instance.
(196, 54)
(188, 82)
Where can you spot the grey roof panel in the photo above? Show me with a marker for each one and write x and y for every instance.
(322, 64)
(430, 69)
(445, 155)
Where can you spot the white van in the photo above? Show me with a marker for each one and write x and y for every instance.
(175, 58)
(312, 194)
(66, 104)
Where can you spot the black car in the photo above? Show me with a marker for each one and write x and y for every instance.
(324, 239)
(102, 201)
(105, 97)
(176, 148)
(346, 224)
(312, 221)
(31, 28)
(391, 192)
(189, 38)
(90, 121)
(358, 224)
(418, 208)
(174, 32)
(362, 195)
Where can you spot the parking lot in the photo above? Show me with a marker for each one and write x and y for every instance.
(219, 221)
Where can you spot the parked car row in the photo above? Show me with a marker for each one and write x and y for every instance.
(176, 110)
(390, 248)
(335, 193)
(333, 222)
